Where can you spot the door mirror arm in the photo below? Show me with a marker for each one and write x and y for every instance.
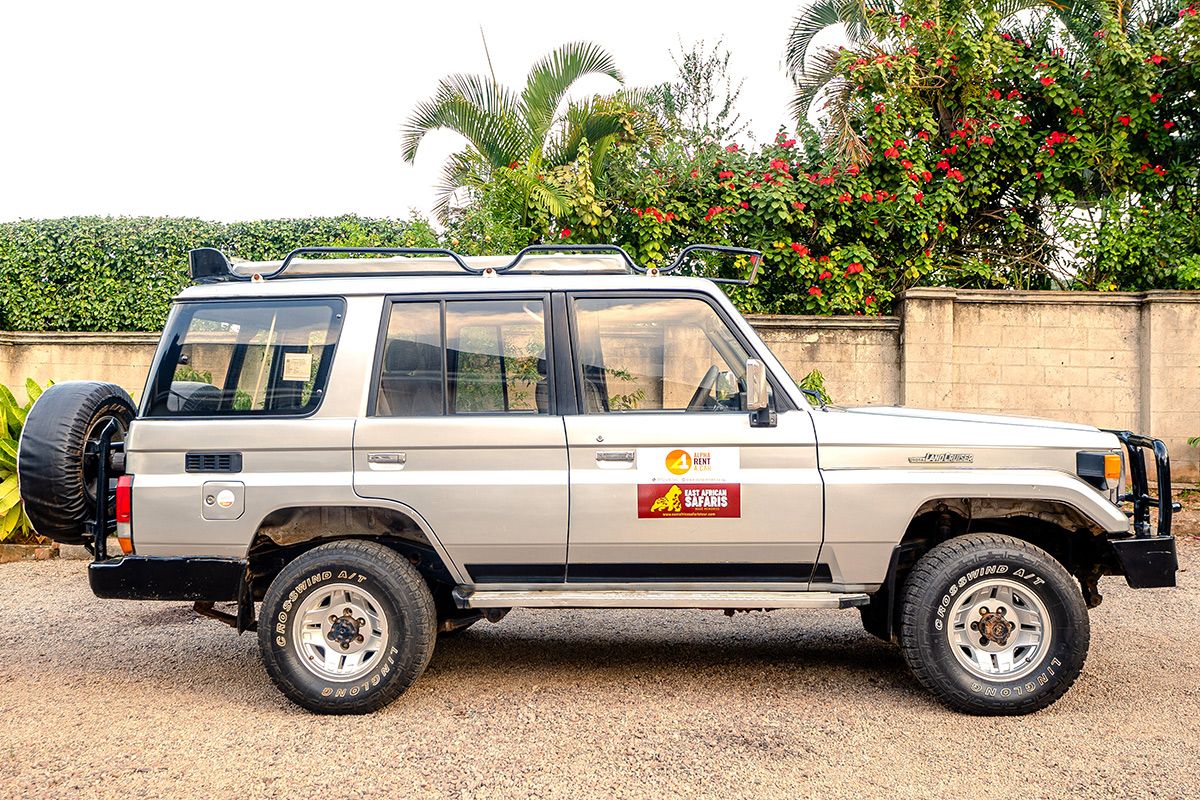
(758, 396)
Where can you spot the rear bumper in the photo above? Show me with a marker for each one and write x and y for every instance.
(145, 578)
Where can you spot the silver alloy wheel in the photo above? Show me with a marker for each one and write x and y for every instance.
(999, 630)
(340, 632)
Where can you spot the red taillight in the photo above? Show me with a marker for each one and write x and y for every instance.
(124, 499)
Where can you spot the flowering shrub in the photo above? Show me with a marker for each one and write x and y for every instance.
(972, 157)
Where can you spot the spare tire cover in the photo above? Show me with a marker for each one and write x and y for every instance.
(56, 475)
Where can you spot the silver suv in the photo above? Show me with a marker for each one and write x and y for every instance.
(382, 450)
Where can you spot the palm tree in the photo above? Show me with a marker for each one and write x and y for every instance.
(523, 134)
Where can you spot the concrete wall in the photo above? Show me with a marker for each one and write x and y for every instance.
(1117, 360)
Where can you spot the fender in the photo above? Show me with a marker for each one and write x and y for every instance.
(868, 510)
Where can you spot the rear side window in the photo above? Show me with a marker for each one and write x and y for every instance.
(246, 358)
(464, 357)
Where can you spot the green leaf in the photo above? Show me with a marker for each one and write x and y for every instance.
(33, 390)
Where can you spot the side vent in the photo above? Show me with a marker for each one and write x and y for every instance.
(212, 462)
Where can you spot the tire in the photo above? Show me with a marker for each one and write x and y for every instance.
(56, 475)
(383, 644)
(1028, 614)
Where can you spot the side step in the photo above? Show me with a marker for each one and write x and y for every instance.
(465, 597)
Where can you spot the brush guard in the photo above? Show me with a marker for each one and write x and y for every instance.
(1147, 558)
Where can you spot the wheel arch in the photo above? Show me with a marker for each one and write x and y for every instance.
(286, 532)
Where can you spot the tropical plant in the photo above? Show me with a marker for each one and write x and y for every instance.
(517, 137)
(13, 522)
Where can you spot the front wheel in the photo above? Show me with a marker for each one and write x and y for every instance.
(346, 627)
(993, 625)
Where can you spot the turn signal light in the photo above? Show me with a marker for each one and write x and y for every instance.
(125, 513)
(1112, 467)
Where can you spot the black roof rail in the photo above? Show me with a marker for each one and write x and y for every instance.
(686, 253)
(209, 265)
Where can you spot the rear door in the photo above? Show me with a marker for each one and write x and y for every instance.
(463, 428)
(670, 483)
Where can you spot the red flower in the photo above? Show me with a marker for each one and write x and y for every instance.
(996, 94)
(919, 197)
(906, 164)
(564, 233)
(1125, 119)
(1154, 98)
(733, 148)
(695, 173)
(927, 176)
(1023, 119)
(866, 197)
(514, 164)
(744, 204)
(879, 108)
(1037, 176)
(853, 269)
(725, 175)
(815, 291)
(799, 206)
(825, 275)
(943, 164)
(892, 152)
(986, 140)
(789, 143)
(869, 299)
(1013, 95)
(951, 150)
(923, 135)
(1155, 59)
(1168, 125)
(1046, 80)
(852, 169)
(1077, 111)
(844, 197)
(799, 248)
(955, 174)
(1159, 171)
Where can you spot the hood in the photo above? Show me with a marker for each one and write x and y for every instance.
(958, 416)
(913, 438)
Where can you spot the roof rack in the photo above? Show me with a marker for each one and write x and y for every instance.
(210, 265)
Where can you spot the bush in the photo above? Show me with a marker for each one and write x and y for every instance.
(119, 273)
(14, 525)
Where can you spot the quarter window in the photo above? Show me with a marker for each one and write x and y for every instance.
(657, 354)
(243, 359)
(464, 357)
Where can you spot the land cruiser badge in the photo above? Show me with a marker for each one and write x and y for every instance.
(943, 458)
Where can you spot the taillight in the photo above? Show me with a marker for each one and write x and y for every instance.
(125, 513)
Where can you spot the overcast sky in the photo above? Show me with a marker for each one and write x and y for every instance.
(243, 110)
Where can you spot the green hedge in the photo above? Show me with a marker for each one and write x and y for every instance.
(119, 273)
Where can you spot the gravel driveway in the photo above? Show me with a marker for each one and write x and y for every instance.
(120, 699)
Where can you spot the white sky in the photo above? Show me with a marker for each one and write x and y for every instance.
(243, 110)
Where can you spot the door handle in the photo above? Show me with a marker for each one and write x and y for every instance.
(615, 456)
(386, 458)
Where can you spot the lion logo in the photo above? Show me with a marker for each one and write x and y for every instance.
(669, 501)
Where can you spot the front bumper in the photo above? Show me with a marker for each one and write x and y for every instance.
(1147, 558)
(144, 578)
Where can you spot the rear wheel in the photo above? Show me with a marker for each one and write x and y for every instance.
(993, 625)
(347, 627)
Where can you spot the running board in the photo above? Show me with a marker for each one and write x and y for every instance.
(651, 598)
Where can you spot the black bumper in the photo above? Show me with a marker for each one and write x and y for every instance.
(1147, 559)
(145, 578)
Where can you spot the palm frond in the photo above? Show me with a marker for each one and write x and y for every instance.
(540, 193)
(482, 111)
(841, 138)
(814, 18)
(463, 169)
(551, 77)
(813, 81)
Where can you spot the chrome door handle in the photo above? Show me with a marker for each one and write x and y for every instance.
(614, 455)
(386, 458)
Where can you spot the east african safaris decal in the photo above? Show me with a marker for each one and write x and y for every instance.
(691, 483)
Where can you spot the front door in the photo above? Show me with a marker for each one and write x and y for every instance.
(670, 482)
(462, 428)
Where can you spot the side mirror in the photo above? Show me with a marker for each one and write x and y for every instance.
(756, 385)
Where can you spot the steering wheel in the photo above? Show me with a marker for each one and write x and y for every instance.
(706, 384)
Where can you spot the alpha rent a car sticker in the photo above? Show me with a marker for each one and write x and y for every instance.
(688, 482)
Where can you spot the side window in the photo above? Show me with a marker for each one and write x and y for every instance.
(657, 354)
(464, 357)
(241, 358)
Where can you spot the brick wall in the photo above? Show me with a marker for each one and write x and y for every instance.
(1117, 360)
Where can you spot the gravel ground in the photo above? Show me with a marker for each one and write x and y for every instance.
(119, 699)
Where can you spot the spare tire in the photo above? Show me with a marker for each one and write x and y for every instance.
(57, 475)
